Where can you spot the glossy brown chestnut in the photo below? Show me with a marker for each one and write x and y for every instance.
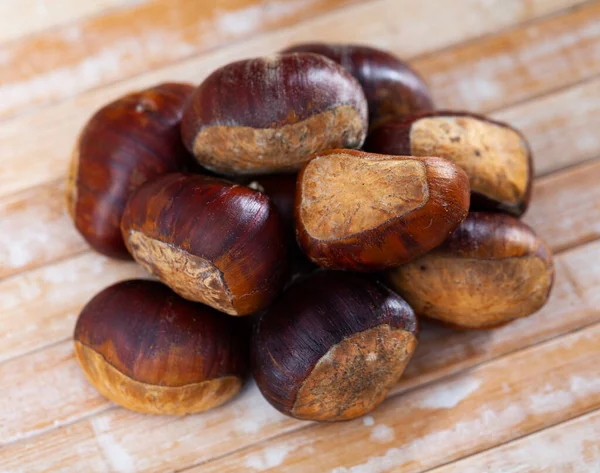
(332, 346)
(269, 115)
(368, 212)
(149, 350)
(391, 86)
(495, 156)
(211, 241)
(124, 144)
(491, 270)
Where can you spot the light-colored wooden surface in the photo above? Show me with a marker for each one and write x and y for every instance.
(522, 398)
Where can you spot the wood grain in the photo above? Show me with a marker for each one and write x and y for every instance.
(95, 51)
(24, 17)
(565, 206)
(517, 64)
(507, 398)
(129, 41)
(60, 123)
(249, 419)
(568, 447)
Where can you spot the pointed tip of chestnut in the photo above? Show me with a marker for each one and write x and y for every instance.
(369, 212)
(125, 143)
(149, 350)
(496, 157)
(332, 346)
(391, 86)
(491, 270)
(210, 240)
(268, 115)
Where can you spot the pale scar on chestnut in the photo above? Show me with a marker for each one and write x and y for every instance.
(190, 276)
(355, 375)
(494, 157)
(247, 150)
(472, 292)
(152, 398)
(335, 204)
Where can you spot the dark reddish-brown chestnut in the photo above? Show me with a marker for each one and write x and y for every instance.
(210, 240)
(281, 189)
(495, 156)
(269, 115)
(368, 212)
(331, 347)
(147, 349)
(391, 86)
(491, 270)
(124, 144)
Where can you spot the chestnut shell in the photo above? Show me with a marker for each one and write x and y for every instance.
(149, 350)
(124, 144)
(392, 87)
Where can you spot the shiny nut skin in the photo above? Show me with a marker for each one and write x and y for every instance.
(210, 240)
(496, 157)
(392, 87)
(124, 144)
(149, 350)
(331, 347)
(368, 212)
(269, 115)
(491, 270)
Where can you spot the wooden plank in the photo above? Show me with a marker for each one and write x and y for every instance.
(23, 17)
(35, 229)
(39, 308)
(562, 128)
(568, 447)
(174, 443)
(565, 207)
(101, 50)
(518, 64)
(491, 404)
(96, 51)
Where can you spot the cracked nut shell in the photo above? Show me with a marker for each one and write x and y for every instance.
(368, 212)
(124, 144)
(209, 240)
(491, 270)
(151, 351)
(495, 156)
(332, 346)
(392, 87)
(269, 115)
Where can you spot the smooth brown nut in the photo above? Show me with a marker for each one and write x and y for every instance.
(332, 346)
(211, 241)
(368, 212)
(124, 144)
(495, 156)
(269, 115)
(392, 87)
(491, 270)
(149, 350)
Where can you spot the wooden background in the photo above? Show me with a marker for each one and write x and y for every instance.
(523, 398)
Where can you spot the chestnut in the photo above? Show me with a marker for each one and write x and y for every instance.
(211, 241)
(269, 115)
(331, 347)
(151, 351)
(495, 156)
(491, 270)
(367, 212)
(127, 142)
(391, 86)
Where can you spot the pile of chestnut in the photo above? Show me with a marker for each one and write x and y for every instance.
(248, 195)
